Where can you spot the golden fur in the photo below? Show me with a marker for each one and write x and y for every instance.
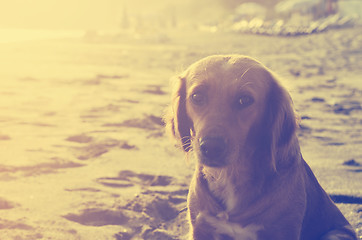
(251, 181)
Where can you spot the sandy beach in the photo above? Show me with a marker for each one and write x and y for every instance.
(84, 153)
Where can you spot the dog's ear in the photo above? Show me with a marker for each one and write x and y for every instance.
(274, 136)
(177, 121)
(283, 122)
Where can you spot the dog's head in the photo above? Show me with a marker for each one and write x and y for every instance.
(231, 111)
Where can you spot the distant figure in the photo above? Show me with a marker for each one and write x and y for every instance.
(329, 7)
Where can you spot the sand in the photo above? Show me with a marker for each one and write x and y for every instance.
(83, 151)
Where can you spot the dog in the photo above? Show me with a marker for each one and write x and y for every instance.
(250, 181)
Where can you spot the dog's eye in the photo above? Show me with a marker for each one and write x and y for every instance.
(244, 101)
(198, 98)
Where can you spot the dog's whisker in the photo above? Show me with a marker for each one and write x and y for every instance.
(186, 143)
(185, 138)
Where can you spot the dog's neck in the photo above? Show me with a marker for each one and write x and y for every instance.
(233, 189)
(221, 187)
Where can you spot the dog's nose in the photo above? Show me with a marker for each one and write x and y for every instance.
(213, 149)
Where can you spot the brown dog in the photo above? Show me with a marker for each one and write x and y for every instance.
(251, 181)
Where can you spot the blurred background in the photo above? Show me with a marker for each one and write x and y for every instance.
(286, 17)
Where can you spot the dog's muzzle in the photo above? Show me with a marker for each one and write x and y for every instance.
(213, 151)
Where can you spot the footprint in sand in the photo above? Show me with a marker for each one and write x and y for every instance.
(94, 148)
(346, 107)
(7, 224)
(149, 122)
(154, 89)
(128, 178)
(81, 138)
(155, 213)
(5, 204)
(98, 217)
(149, 215)
(354, 164)
(52, 166)
(4, 137)
(340, 198)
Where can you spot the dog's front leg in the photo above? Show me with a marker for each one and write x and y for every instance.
(219, 228)
(201, 229)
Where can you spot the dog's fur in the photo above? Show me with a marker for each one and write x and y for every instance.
(257, 186)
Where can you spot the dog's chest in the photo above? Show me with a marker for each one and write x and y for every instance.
(224, 191)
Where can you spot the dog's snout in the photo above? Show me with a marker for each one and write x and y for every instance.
(213, 150)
